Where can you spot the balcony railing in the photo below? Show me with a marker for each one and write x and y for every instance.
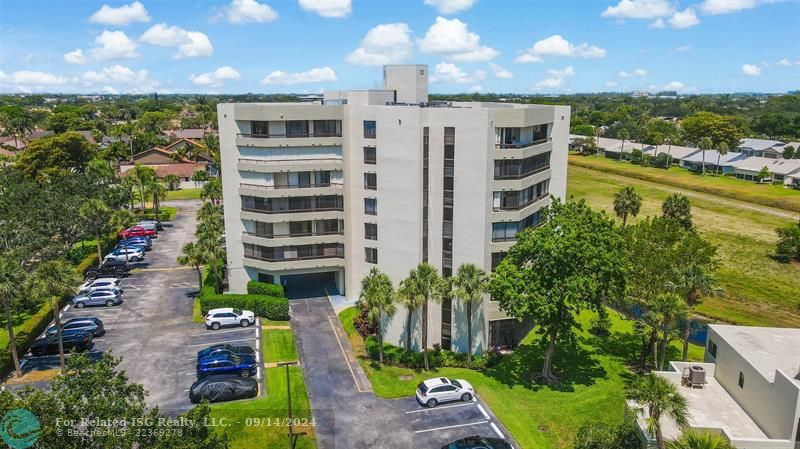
(326, 160)
(289, 186)
(521, 175)
(294, 211)
(504, 238)
(288, 136)
(519, 145)
(293, 234)
(523, 205)
(290, 259)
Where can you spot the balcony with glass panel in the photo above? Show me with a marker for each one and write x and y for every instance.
(295, 208)
(303, 183)
(304, 232)
(294, 257)
(290, 133)
(523, 141)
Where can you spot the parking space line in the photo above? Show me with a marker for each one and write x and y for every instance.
(344, 353)
(440, 408)
(220, 342)
(485, 415)
(451, 427)
(222, 332)
(497, 431)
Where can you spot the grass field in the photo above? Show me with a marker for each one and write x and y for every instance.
(184, 194)
(764, 194)
(593, 375)
(257, 423)
(757, 289)
(278, 345)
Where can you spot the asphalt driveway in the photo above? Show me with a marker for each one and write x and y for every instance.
(347, 412)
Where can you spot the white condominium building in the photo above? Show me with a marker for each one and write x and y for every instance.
(316, 194)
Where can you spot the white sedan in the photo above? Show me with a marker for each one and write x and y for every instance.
(434, 391)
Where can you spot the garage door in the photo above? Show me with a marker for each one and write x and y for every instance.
(312, 285)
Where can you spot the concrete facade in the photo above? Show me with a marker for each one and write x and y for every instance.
(479, 191)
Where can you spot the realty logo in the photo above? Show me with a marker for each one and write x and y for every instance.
(19, 428)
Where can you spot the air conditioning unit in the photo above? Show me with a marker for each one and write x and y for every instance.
(697, 376)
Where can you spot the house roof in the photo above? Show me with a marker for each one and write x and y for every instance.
(767, 349)
(676, 151)
(182, 170)
(188, 133)
(711, 157)
(760, 144)
(172, 147)
(777, 166)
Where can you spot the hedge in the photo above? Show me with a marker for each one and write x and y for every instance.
(27, 333)
(264, 288)
(264, 306)
(437, 357)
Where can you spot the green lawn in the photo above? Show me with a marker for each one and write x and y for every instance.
(277, 345)
(757, 289)
(184, 194)
(165, 213)
(764, 194)
(593, 374)
(252, 423)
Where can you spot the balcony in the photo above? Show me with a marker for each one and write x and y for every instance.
(521, 145)
(297, 257)
(290, 165)
(518, 150)
(521, 206)
(289, 140)
(521, 175)
(507, 214)
(282, 190)
(296, 238)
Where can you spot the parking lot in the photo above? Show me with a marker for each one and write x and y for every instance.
(347, 412)
(152, 330)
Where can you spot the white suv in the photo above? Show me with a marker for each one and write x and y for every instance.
(99, 284)
(216, 318)
(431, 392)
(134, 255)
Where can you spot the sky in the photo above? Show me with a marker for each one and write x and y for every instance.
(304, 46)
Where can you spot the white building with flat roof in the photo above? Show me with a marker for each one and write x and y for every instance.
(751, 393)
(317, 194)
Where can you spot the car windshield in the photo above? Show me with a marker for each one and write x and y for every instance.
(422, 387)
(456, 383)
(237, 311)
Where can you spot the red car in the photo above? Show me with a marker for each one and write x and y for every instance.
(137, 231)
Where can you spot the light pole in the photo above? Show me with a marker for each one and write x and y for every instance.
(292, 435)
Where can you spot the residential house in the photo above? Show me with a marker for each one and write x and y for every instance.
(714, 161)
(676, 152)
(772, 149)
(187, 133)
(747, 390)
(785, 170)
(165, 161)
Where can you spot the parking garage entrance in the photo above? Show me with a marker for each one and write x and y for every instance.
(311, 285)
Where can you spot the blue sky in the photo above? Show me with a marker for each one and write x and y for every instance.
(521, 46)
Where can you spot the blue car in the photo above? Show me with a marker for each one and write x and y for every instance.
(244, 366)
(135, 241)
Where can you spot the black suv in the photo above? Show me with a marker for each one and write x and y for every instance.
(79, 340)
(109, 268)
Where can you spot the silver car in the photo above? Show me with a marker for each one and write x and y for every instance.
(99, 284)
(98, 298)
(133, 255)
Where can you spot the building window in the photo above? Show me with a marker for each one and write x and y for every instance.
(741, 379)
(297, 128)
(370, 155)
(267, 278)
(712, 348)
(371, 255)
(447, 326)
(448, 182)
(327, 128)
(371, 231)
(259, 128)
(371, 181)
(497, 258)
(370, 129)
(370, 206)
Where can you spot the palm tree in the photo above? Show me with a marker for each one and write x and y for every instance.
(668, 141)
(627, 202)
(377, 295)
(692, 439)
(96, 215)
(470, 283)
(12, 277)
(722, 150)
(212, 191)
(670, 309)
(122, 219)
(55, 279)
(425, 283)
(192, 255)
(143, 176)
(128, 182)
(209, 234)
(172, 181)
(659, 397)
(705, 144)
(695, 281)
(409, 297)
(622, 134)
(158, 191)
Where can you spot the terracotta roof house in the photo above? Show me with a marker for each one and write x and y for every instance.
(165, 162)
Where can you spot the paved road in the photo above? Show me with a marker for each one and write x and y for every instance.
(349, 415)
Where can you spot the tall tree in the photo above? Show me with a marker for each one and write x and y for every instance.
(570, 263)
(56, 156)
(158, 192)
(704, 144)
(212, 191)
(412, 302)
(627, 202)
(192, 255)
(718, 128)
(788, 246)
(678, 207)
(377, 296)
(12, 277)
(623, 135)
(470, 284)
(96, 215)
(722, 150)
(659, 398)
(143, 176)
(55, 279)
(425, 283)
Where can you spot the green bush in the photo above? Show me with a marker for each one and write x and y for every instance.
(27, 333)
(264, 306)
(437, 357)
(788, 246)
(596, 435)
(264, 288)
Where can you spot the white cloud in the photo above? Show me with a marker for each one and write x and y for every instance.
(452, 38)
(123, 15)
(566, 72)
(556, 45)
(635, 73)
(110, 90)
(684, 19)
(784, 62)
(32, 78)
(75, 57)
(475, 88)
(191, 44)
(116, 74)
(639, 9)
(389, 43)
(676, 86)
(612, 84)
(450, 6)
(556, 79)
(244, 11)
(215, 78)
(114, 45)
(550, 83)
(751, 70)
(500, 72)
(447, 72)
(658, 23)
(328, 8)
(315, 75)
(729, 6)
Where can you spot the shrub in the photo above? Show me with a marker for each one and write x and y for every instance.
(361, 322)
(27, 333)
(264, 288)
(264, 306)
(437, 358)
(595, 435)
(601, 326)
(788, 242)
